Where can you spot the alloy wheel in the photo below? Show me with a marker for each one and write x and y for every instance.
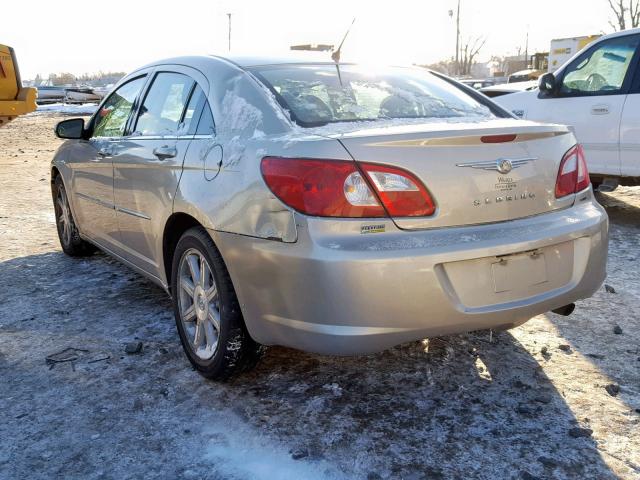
(199, 304)
(64, 217)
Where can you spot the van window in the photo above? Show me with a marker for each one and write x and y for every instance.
(602, 69)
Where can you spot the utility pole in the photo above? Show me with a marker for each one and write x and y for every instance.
(458, 40)
(229, 15)
(526, 50)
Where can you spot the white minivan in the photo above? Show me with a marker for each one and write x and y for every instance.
(598, 93)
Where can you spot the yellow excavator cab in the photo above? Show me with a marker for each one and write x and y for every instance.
(14, 98)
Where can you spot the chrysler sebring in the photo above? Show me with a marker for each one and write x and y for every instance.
(327, 206)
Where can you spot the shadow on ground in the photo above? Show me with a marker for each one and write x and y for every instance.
(604, 328)
(466, 408)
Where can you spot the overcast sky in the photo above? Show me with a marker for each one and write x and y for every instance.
(88, 36)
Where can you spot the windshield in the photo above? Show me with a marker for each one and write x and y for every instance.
(316, 95)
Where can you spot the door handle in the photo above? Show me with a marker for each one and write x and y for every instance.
(600, 109)
(165, 152)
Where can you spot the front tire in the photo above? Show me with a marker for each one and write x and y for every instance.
(207, 312)
(70, 241)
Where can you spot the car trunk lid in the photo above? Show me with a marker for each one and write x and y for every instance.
(477, 173)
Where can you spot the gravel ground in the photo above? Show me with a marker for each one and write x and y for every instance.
(533, 402)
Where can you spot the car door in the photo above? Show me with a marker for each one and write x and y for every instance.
(91, 163)
(590, 96)
(148, 164)
(630, 130)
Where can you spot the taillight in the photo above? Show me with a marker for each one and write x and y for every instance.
(573, 175)
(323, 188)
(401, 193)
(338, 188)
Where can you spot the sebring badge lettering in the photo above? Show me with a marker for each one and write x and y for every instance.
(505, 198)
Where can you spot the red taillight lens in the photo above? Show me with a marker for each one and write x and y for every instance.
(402, 194)
(317, 187)
(337, 188)
(573, 175)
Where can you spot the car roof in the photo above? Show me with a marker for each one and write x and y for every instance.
(247, 61)
(622, 33)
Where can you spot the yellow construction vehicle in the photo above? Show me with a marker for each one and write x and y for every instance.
(14, 98)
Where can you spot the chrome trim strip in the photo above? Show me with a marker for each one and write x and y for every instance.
(630, 147)
(97, 201)
(493, 164)
(132, 212)
(159, 137)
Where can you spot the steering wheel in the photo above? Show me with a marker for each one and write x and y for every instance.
(595, 82)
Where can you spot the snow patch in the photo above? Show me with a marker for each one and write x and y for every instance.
(67, 109)
(241, 120)
(338, 128)
(334, 388)
(243, 453)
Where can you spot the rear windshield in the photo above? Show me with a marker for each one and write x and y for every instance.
(317, 95)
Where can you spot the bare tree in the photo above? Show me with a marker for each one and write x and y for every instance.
(468, 53)
(64, 78)
(626, 13)
(634, 13)
(448, 67)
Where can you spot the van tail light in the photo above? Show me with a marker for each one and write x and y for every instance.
(573, 175)
(339, 188)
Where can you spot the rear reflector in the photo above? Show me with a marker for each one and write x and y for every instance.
(573, 175)
(339, 188)
(498, 138)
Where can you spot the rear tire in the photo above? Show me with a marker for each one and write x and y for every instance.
(207, 312)
(70, 241)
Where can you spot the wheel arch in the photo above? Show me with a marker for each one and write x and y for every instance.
(175, 226)
(55, 173)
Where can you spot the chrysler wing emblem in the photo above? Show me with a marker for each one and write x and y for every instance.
(501, 165)
(504, 165)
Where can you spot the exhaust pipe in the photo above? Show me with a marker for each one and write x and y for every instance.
(566, 310)
(608, 184)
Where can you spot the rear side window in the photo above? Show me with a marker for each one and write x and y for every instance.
(111, 119)
(320, 94)
(205, 125)
(163, 106)
(198, 105)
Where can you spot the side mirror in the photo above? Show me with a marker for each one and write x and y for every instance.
(72, 129)
(547, 83)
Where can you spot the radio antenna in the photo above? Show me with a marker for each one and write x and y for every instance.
(335, 56)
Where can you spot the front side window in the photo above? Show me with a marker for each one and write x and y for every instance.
(163, 106)
(111, 119)
(320, 94)
(602, 69)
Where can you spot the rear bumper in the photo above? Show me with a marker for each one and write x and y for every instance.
(337, 291)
